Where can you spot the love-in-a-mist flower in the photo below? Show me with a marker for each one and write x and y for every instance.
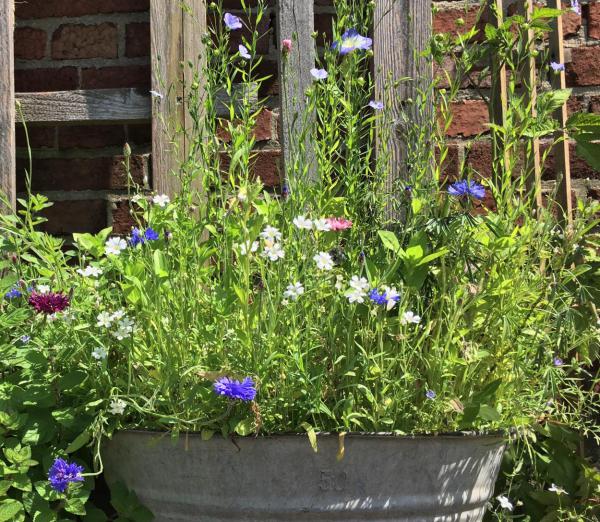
(353, 41)
(576, 7)
(337, 224)
(392, 296)
(467, 188)
(430, 394)
(303, 223)
(410, 318)
(244, 52)
(505, 503)
(294, 291)
(376, 105)
(360, 284)
(232, 22)
(286, 46)
(117, 406)
(322, 225)
(49, 304)
(233, 389)
(324, 261)
(63, 473)
(104, 320)
(248, 247)
(319, 74)
(162, 200)
(557, 67)
(558, 361)
(25, 339)
(114, 246)
(90, 271)
(270, 234)
(99, 353)
(273, 251)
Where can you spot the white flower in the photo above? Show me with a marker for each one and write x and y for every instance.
(43, 289)
(90, 271)
(117, 406)
(114, 246)
(273, 251)
(557, 489)
(104, 320)
(270, 234)
(118, 315)
(339, 283)
(324, 261)
(410, 317)
(242, 195)
(99, 353)
(322, 225)
(248, 246)
(303, 223)
(285, 302)
(137, 198)
(294, 291)
(156, 94)
(355, 296)
(124, 329)
(392, 296)
(360, 284)
(162, 200)
(505, 503)
(52, 317)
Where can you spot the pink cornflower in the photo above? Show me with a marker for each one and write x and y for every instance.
(337, 224)
(49, 303)
(286, 46)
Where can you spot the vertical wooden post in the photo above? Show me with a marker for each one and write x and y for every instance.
(402, 30)
(561, 150)
(7, 103)
(295, 22)
(176, 38)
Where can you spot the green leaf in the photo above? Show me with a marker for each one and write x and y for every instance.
(489, 413)
(312, 436)
(72, 380)
(10, 510)
(245, 427)
(160, 264)
(95, 515)
(590, 152)
(389, 240)
(81, 440)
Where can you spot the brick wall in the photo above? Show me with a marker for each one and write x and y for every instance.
(85, 44)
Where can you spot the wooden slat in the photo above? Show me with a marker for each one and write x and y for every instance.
(561, 150)
(402, 29)
(295, 21)
(98, 105)
(7, 103)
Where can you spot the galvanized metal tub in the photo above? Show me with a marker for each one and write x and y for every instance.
(281, 479)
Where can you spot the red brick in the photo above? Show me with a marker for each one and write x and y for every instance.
(594, 20)
(30, 43)
(595, 104)
(445, 21)
(265, 165)
(479, 157)
(116, 77)
(90, 137)
(451, 166)
(77, 41)
(137, 40)
(122, 220)
(579, 167)
(39, 137)
(56, 8)
(263, 130)
(469, 118)
(103, 173)
(35, 80)
(584, 68)
(68, 217)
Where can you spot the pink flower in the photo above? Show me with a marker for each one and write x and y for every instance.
(49, 303)
(337, 224)
(286, 46)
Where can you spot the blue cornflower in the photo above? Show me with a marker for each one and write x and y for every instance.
(352, 41)
(465, 188)
(62, 473)
(13, 293)
(151, 235)
(244, 391)
(232, 22)
(139, 238)
(430, 394)
(378, 298)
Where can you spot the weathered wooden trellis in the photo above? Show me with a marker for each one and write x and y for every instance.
(401, 27)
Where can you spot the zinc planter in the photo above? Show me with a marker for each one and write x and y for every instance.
(281, 479)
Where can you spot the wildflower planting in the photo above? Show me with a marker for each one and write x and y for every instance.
(332, 305)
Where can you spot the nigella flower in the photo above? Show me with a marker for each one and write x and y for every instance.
(337, 224)
(376, 105)
(13, 293)
(575, 7)
(50, 303)
(244, 53)
(353, 41)
(232, 22)
(63, 473)
(557, 67)
(244, 391)
(319, 74)
(466, 188)
(430, 394)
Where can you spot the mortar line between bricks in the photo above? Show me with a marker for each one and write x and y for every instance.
(80, 62)
(51, 24)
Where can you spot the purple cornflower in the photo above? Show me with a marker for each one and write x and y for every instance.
(376, 105)
(139, 238)
(378, 298)
(13, 293)
(558, 361)
(244, 391)
(319, 74)
(49, 303)
(62, 473)
(244, 53)
(430, 394)
(353, 41)
(557, 67)
(465, 188)
(575, 7)
(232, 22)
